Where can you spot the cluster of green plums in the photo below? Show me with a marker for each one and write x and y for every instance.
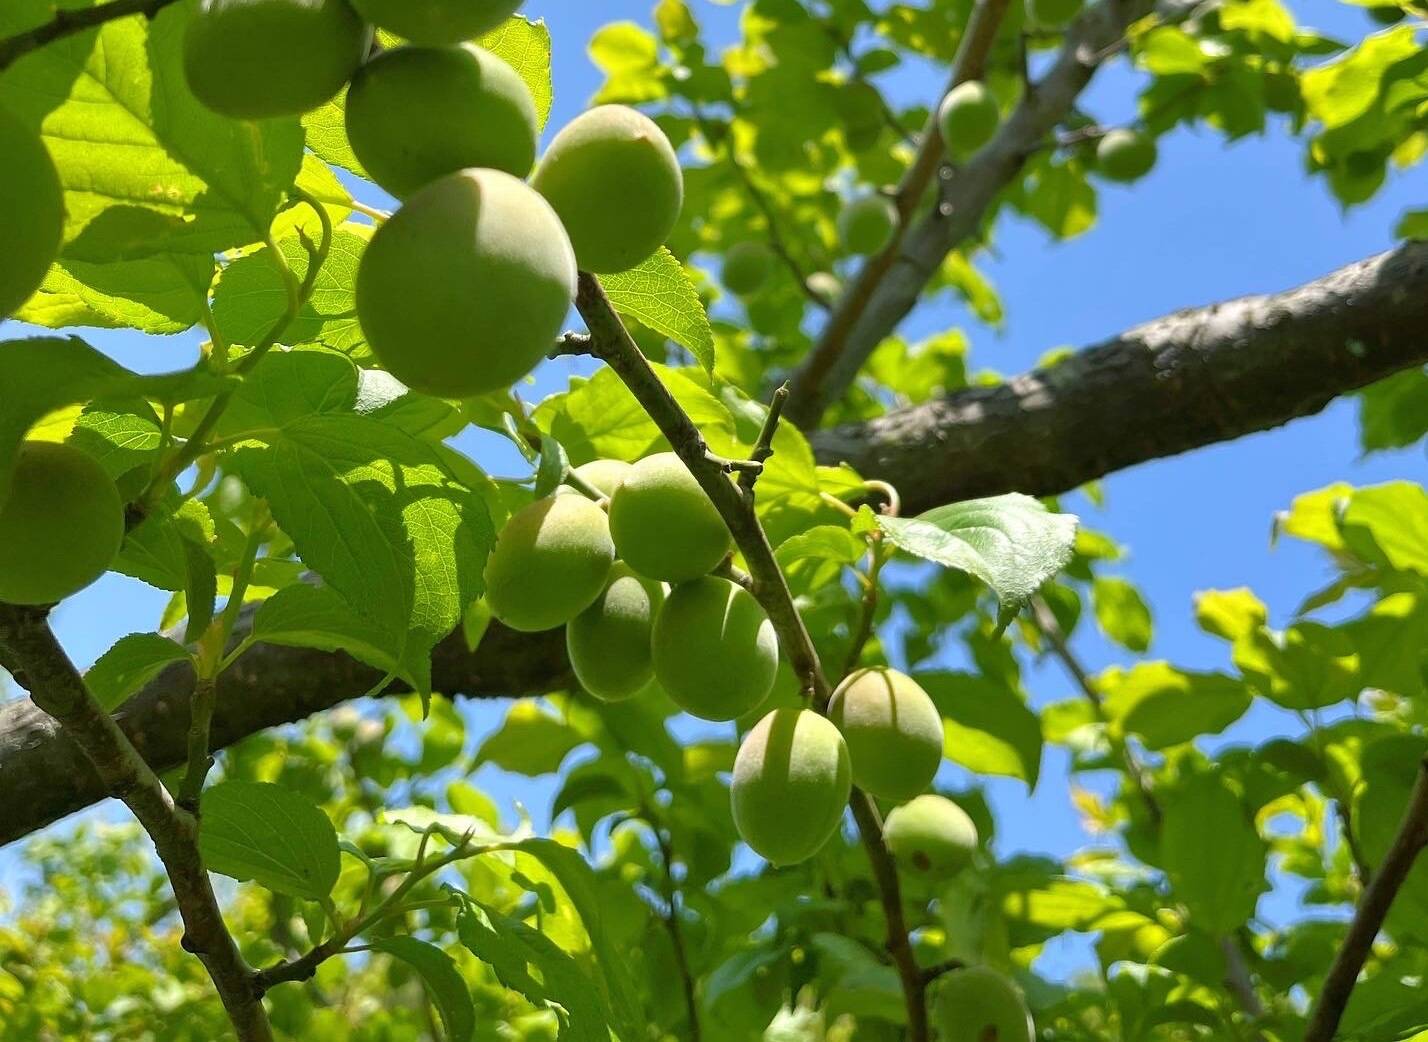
(600, 569)
(464, 290)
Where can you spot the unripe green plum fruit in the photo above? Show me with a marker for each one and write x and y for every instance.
(893, 730)
(930, 834)
(968, 118)
(415, 114)
(603, 475)
(31, 212)
(1052, 12)
(664, 524)
(614, 179)
(747, 267)
(549, 564)
(465, 288)
(791, 782)
(1125, 155)
(257, 59)
(866, 225)
(61, 524)
(978, 1005)
(437, 22)
(609, 642)
(715, 652)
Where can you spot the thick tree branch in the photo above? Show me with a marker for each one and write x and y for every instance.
(1181, 382)
(67, 23)
(1368, 919)
(29, 649)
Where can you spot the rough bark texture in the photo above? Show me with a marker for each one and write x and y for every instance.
(1191, 379)
(1181, 382)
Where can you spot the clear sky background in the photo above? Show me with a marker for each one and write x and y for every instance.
(1210, 223)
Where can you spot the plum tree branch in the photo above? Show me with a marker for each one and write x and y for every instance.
(1373, 908)
(68, 22)
(31, 652)
(1191, 379)
(890, 284)
(613, 344)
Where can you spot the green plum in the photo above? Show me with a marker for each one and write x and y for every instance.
(603, 475)
(664, 524)
(747, 266)
(930, 834)
(866, 225)
(1125, 155)
(615, 180)
(791, 783)
(466, 287)
(415, 114)
(549, 564)
(609, 642)
(893, 730)
(31, 213)
(437, 22)
(968, 118)
(258, 59)
(61, 524)
(715, 651)
(980, 1005)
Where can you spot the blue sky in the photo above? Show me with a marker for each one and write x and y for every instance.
(1211, 222)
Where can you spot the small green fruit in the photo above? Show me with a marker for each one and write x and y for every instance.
(1125, 155)
(613, 177)
(747, 267)
(866, 225)
(609, 642)
(968, 118)
(1052, 12)
(663, 523)
(604, 475)
(437, 22)
(715, 652)
(549, 564)
(893, 730)
(791, 783)
(930, 834)
(978, 1005)
(465, 288)
(415, 114)
(258, 59)
(31, 212)
(61, 524)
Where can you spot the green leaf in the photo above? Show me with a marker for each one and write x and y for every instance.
(1394, 412)
(1121, 612)
(305, 616)
(1388, 524)
(271, 835)
(660, 295)
(146, 168)
(628, 54)
(48, 373)
(1165, 706)
(442, 979)
(374, 511)
(530, 741)
(162, 294)
(988, 728)
(1212, 853)
(530, 963)
(525, 46)
(1012, 543)
(130, 664)
(1339, 91)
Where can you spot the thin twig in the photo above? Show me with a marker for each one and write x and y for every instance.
(68, 22)
(31, 652)
(672, 925)
(1373, 908)
(763, 448)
